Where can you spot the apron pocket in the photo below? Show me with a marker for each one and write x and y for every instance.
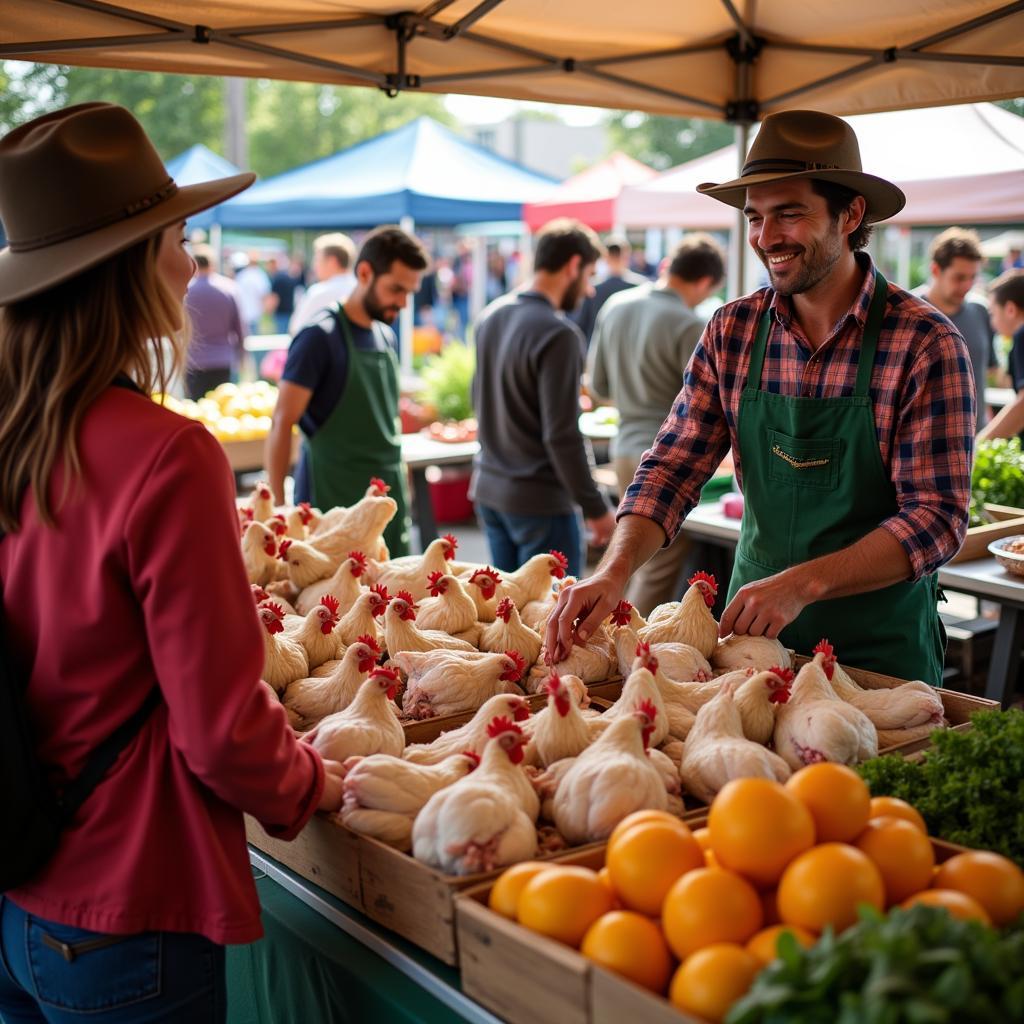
(804, 462)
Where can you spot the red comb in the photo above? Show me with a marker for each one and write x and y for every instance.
(504, 609)
(381, 591)
(331, 603)
(365, 638)
(358, 557)
(404, 595)
(282, 551)
(520, 663)
(263, 490)
(642, 649)
(622, 613)
(829, 661)
(646, 707)
(305, 512)
(258, 593)
(502, 724)
(379, 487)
(703, 577)
(437, 588)
(474, 758)
(453, 545)
(553, 683)
(275, 608)
(380, 672)
(787, 675)
(561, 564)
(247, 513)
(486, 571)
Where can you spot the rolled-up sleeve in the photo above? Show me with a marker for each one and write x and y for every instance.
(932, 452)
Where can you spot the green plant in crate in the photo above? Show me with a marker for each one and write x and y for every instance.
(998, 474)
(446, 382)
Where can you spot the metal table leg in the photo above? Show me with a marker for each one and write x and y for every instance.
(424, 507)
(1005, 663)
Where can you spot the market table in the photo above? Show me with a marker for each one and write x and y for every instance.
(419, 453)
(982, 578)
(320, 960)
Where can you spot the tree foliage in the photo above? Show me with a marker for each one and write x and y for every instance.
(663, 142)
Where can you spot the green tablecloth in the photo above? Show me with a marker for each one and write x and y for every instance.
(305, 970)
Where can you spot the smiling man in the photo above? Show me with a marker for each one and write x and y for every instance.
(850, 408)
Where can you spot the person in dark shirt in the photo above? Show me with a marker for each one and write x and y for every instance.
(532, 471)
(619, 278)
(340, 385)
(283, 286)
(214, 310)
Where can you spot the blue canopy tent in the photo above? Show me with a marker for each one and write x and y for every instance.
(199, 164)
(421, 172)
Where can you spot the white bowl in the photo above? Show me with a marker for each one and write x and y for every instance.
(1011, 561)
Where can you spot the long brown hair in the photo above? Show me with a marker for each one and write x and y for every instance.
(61, 349)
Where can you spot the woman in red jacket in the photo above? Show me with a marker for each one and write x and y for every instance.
(122, 573)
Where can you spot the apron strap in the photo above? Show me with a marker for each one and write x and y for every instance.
(760, 347)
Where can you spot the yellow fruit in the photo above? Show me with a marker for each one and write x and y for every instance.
(703, 836)
(763, 944)
(505, 893)
(645, 860)
(757, 827)
(893, 807)
(709, 905)
(959, 904)
(631, 945)
(991, 879)
(825, 886)
(710, 860)
(837, 797)
(563, 902)
(902, 853)
(638, 818)
(712, 979)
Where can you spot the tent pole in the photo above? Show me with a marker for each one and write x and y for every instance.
(737, 240)
(405, 318)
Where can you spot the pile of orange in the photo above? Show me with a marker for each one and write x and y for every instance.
(696, 915)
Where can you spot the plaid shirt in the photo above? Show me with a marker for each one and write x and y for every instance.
(922, 388)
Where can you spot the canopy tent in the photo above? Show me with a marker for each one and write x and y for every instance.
(590, 196)
(421, 173)
(963, 163)
(734, 60)
(196, 164)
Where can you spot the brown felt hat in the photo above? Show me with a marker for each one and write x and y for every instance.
(80, 185)
(809, 144)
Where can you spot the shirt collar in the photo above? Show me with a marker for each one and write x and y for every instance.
(782, 305)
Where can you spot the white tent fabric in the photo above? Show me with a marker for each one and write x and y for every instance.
(962, 163)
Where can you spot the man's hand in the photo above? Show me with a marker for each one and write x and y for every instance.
(334, 778)
(601, 529)
(580, 610)
(765, 607)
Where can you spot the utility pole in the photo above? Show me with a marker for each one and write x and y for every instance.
(235, 142)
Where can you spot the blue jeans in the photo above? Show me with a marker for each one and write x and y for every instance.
(59, 974)
(515, 539)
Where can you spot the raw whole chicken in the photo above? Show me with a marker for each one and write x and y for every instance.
(688, 621)
(451, 682)
(716, 750)
(316, 697)
(277, 524)
(344, 585)
(479, 823)
(532, 580)
(316, 632)
(449, 607)
(472, 735)
(305, 565)
(299, 519)
(261, 502)
(758, 698)
(815, 725)
(364, 616)
(638, 688)
(536, 613)
(369, 725)
(402, 634)
(560, 730)
(260, 595)
(383, 794)
(361, 530)
(259, 552)
(508, 632)
(678, 661)
(908, 706)
(350, 513)
(284, 659)
(411, 573)
(741, 651)
(611, 778)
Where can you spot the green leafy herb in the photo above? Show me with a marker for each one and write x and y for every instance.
(914, 966)
(446, 382)
(969, 787)
(998, 474)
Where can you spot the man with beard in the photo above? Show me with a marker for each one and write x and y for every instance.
(340, 384)
(850, 407)
(532, 474)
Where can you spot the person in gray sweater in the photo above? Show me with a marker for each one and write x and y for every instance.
(533, 474)
(642, 342)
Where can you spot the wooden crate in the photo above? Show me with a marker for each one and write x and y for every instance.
(1008, 522)
(526, 978)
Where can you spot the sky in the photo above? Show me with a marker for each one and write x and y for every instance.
(488, 110)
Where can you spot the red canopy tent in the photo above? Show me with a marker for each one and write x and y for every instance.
(591, 195)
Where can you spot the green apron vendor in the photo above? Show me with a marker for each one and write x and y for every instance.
(340, 385)
(849, 405)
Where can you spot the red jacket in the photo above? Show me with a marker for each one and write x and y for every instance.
(141, 582)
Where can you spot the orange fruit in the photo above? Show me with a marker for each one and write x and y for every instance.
(824, 886)
(710, 860)
(709, 981)
(638, 818)
(837, 797)
(763, 944)
(757, 827)
(993, 880)
(646, 860)
(703, 837)
(631, 945)
(902, 853)
(959, 904)
(563, 902)
(709, 905)
(505, 893)
(891, 806)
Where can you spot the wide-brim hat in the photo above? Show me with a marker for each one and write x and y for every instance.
(80, 185)
(809, 144)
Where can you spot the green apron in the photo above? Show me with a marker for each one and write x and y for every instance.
(361, 439)
(813, 483)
